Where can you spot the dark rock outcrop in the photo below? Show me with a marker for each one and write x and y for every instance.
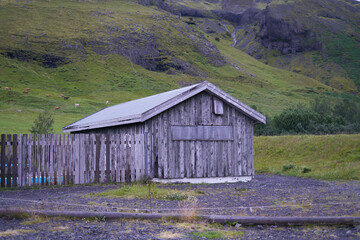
(47, 60)
(286, 36)
(180, 10)
(250, 15)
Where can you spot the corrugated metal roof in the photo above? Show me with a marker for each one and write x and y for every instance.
(145, 108)
(131, 109)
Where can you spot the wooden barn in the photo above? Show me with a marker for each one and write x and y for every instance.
(195, 132)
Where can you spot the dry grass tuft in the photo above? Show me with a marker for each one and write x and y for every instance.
(60, 228)
(169, 235)
(15, 232)
(189, 209)
(36, 219)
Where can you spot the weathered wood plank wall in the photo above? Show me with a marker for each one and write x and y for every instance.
(201, 137)
(28, 160)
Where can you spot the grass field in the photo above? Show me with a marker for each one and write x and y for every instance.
(90, 79)
(330, 157)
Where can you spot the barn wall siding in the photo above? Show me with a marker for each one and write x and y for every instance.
(171, 153)
(177, 158)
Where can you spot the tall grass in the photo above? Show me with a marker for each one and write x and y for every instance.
(330, 157)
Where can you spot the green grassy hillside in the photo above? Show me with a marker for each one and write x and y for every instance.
(325, 157)
(98, 51)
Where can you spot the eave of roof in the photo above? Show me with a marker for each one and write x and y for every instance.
(179, 96)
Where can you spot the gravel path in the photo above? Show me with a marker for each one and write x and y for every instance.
(266, 195)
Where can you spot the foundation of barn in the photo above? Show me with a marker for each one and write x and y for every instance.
(205, 180)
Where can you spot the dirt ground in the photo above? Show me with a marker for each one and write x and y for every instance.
(265, 195)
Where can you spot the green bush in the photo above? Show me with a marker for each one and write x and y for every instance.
(288, 167)
(43, 124)
(305, 169)
(320, 118)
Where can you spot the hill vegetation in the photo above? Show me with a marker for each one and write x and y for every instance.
(74, 56)
(320, 118)
(327, 157)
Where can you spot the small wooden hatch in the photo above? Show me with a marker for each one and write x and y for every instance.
(218, 106)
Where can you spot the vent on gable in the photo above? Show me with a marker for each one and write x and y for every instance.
(218, 106)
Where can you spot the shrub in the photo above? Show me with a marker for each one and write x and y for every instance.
(305, 169)
(43, 124)
(288, 167)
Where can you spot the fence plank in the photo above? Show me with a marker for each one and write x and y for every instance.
(58, 155)
(25, 161)
(3, 144)
(39, 159)
(61, 159)
(30, 160)
(34, 160)
(56, 160)
(15, 161)
(51, 158)
(42, 159)
(67, 163)
(46, 165)
(8, 160)
(19, 160)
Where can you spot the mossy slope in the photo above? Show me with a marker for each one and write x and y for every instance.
(327, 157)
(91, 51)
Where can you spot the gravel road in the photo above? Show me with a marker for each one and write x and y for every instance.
(265, 195)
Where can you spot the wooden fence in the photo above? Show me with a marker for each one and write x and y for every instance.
(28, 160)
